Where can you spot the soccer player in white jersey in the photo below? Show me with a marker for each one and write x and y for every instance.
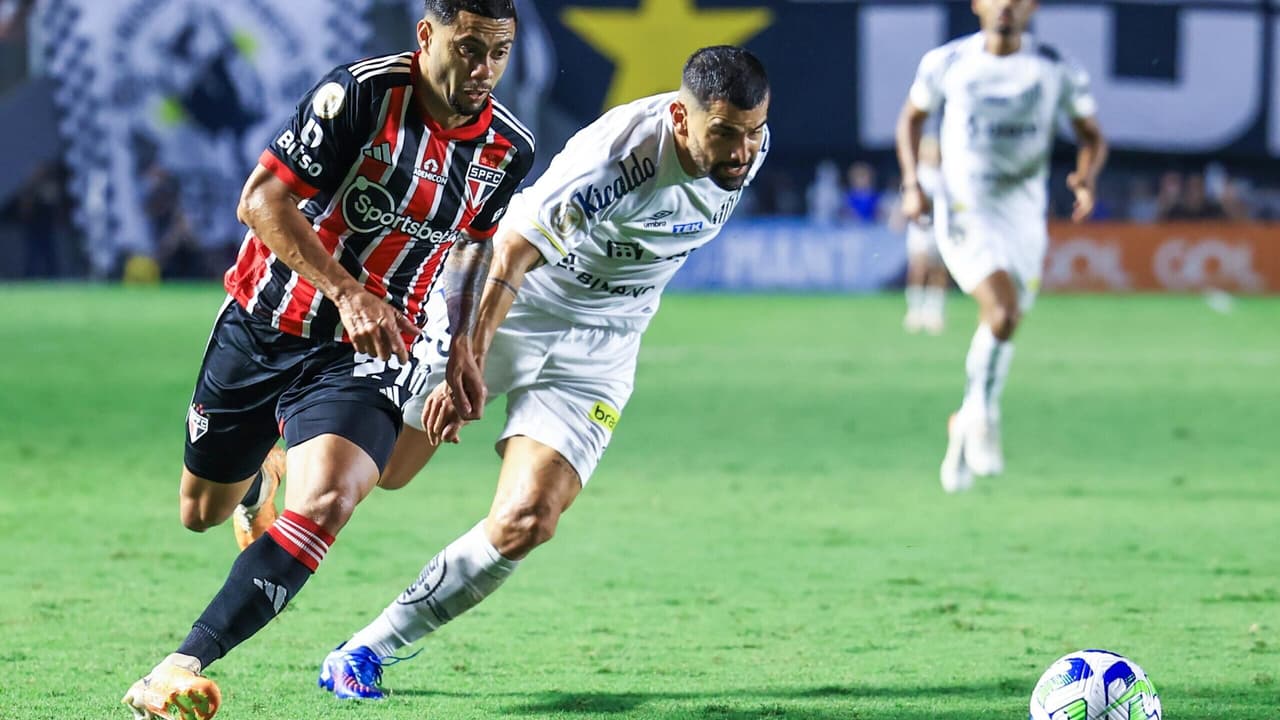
(1003, 92)
(609, 222)
(926, 275)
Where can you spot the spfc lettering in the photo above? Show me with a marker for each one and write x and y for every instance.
(481, 182)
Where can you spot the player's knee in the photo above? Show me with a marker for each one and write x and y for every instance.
(1002, 320)
(198, 515)
(330, 509)
(524, 525)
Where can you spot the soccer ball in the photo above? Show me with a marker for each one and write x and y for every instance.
(1094, 685)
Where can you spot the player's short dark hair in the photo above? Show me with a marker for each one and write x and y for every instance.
(446, 11)
(725, 72)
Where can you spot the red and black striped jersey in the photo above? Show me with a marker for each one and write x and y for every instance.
(386, 188)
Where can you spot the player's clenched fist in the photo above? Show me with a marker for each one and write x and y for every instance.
(374, 326)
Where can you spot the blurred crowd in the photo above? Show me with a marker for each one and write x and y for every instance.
(864, 192)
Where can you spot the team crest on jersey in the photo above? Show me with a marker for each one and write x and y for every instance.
(481, 182)
(197, 422)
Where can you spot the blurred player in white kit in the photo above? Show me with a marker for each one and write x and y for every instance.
(579, 266)
(1002, 92)
(926, 274)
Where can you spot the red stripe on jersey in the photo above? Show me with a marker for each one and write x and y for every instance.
(379, 263)
(277, 167)
(418, 293)
(242, 279)
(294, 317)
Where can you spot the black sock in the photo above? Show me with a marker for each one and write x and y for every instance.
(262, 580)
(255, 489)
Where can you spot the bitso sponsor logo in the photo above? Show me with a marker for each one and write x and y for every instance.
(632, 173)
(368, 208)
(298, 148)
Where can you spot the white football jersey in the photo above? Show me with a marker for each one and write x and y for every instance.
(615, 216)
(999, 117)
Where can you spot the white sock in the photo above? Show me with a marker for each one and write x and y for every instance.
(934, 301)
(915, 298)
(987, 366)
(456, 580)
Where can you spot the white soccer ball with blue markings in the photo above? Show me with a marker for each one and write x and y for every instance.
(1094, 685)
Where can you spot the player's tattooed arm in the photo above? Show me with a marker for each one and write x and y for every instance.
(465, 269)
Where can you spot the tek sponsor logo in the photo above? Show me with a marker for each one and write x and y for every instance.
(367, 208)
(197, 422)
(430, 170)
(633, 172)
(686, 228)
(298, 147)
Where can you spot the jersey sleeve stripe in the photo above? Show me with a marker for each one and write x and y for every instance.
(550, 238)
(379, 61)
(277, 167)
(501, 111)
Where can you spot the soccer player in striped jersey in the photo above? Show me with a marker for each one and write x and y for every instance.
(352, 210)
(1001, 92)
(579, 267)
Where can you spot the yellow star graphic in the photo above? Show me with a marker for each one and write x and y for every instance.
(648, 45)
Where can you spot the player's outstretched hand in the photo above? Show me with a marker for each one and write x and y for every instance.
(465, 379)
(1084, 198)
(374, 326)
(915, 204)
(439, 418)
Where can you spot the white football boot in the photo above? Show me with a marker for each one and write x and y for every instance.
(955, 473)
(982, 448)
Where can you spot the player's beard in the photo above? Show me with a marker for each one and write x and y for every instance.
(463, 105)
(727, 182)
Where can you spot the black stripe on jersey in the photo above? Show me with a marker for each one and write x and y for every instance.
(1048, 52)
(511, 128)
(454, 191)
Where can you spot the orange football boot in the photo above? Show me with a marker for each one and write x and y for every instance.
(173, 692)
(250, 524)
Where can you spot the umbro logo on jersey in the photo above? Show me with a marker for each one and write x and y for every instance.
(481, 182)
(380, 152)
(656, 220)
(275, 593)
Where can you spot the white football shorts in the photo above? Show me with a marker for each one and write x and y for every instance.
(921, 241)
(566, 384)
(977, 242)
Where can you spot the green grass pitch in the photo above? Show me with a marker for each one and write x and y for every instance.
(766, 537)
